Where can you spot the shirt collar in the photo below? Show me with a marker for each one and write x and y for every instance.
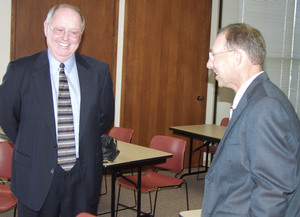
(54, 64)
(239, 94)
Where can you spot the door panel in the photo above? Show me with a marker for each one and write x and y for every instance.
(164, 73)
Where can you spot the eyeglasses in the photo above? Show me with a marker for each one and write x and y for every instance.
(212, 55)
(60, 31)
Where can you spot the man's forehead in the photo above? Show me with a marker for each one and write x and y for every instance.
(220, 42)
(66, 16)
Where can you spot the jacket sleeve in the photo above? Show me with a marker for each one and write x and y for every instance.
(10, 101)
(272, 147)
(107, 106)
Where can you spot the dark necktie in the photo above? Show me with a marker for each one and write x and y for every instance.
(66, 138)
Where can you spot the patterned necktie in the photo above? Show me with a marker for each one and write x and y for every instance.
(65, 133)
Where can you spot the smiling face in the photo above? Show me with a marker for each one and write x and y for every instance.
(222, 63)
(63, 33)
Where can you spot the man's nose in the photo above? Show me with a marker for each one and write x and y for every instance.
(209, 64)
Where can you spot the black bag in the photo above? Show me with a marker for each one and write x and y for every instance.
(109, 148)
(3, 136)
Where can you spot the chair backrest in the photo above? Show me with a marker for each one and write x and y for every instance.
(171, 145)
(84, 214)
(6, 151)
(224, 122)
(121, 133)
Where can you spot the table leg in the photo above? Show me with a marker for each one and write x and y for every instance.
(113, 191)
(206, 162)
(191, 155)
(139, 192)
(192, 151)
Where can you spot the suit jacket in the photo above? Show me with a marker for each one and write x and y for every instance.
(27, 118)
(256, 169)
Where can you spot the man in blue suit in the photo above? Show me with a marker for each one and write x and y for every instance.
(256, 169)
(29, 117)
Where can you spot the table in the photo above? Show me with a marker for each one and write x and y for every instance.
(190, 213)
(210, 133)
(133, 156)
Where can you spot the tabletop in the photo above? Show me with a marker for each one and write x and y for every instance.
(131, 155)
(210, 131)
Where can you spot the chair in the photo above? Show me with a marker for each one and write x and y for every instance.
(213, 148)
(7, 199)
(152, 179)
(84, 214)
(121, 134)
(224, 122)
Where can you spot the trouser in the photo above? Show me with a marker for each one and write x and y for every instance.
(66, 197)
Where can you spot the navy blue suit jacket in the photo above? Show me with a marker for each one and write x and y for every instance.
(27, 118)
(256, 169)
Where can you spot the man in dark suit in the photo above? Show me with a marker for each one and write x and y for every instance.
(45, 184)
(256, 169)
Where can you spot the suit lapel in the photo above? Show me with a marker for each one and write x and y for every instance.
(86, 90)
(42, 82)
(41, 79)
(240, 108)
(236, 114)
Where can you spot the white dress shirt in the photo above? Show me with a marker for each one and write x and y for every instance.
(239, 94)
(74, 87)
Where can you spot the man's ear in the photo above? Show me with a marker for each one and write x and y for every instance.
(238, 56)
(45, 29)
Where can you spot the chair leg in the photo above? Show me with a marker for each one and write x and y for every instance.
(105, 181)
(211, 158)
(135, 204)
(187, 196)
(15, 211)
(154, 208)
(199, 164)
(156, 195)
(118, 201)
(125, 206)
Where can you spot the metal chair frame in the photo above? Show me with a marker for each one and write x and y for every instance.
(121, 134)
(159, 142)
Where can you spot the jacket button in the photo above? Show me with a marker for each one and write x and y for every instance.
(52, 171)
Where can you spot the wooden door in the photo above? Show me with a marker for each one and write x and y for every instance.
(99, 38)
(164, 73)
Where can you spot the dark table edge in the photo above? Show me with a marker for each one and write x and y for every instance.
(195, 135)
(130, 165)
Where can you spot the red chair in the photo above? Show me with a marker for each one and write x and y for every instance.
(7, 199)
(152, 179)
(213, 148)
(84, 214)
(121, 134)
(224, 122)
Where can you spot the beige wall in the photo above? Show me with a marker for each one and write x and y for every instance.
(230, 14)
(5, 14)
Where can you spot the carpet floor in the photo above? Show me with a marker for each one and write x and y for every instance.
(170, 202)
